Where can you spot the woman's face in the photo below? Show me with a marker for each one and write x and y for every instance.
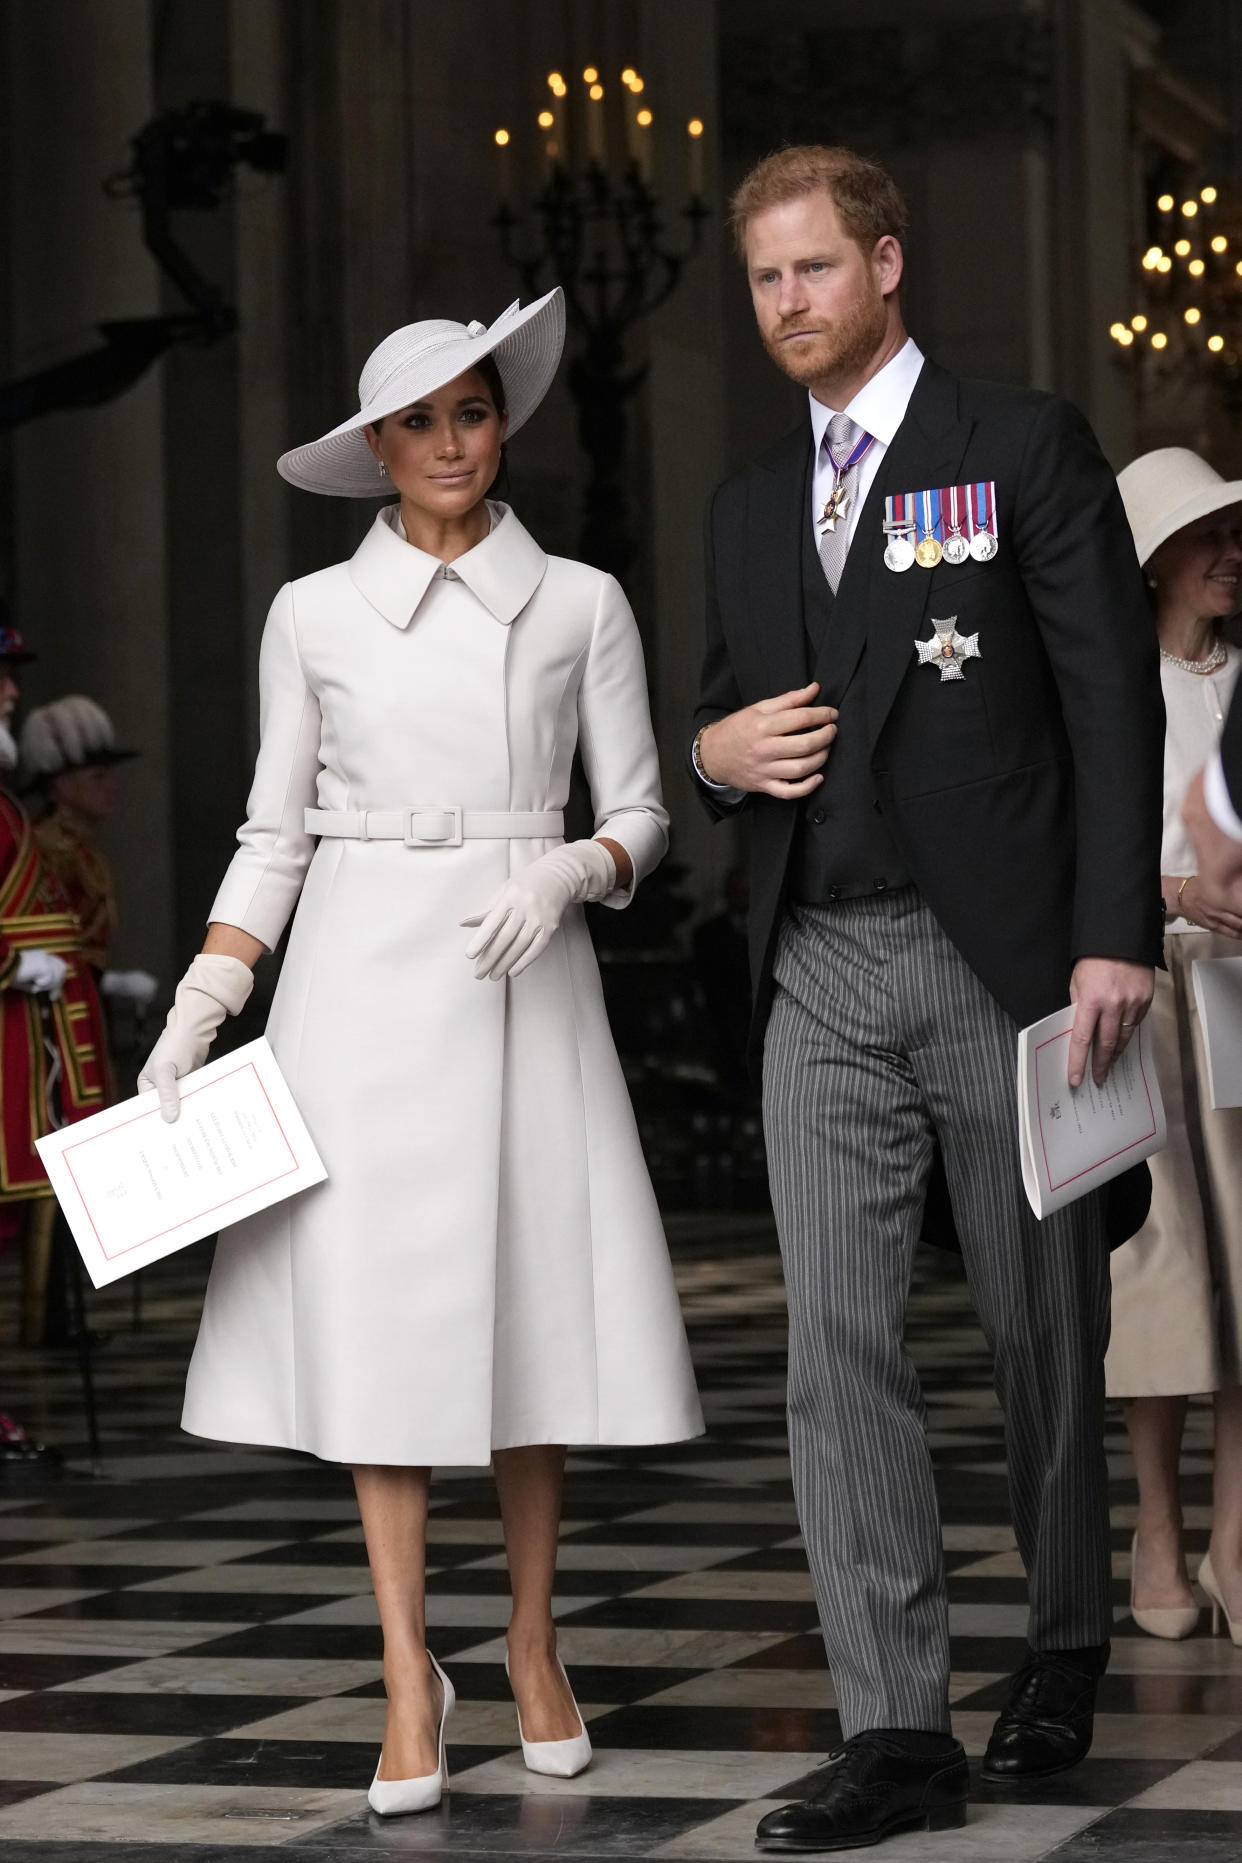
(1196, 569)
(443, 452)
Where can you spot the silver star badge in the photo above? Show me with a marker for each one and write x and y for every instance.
(947, 649)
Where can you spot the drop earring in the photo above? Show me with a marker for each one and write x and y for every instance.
(383, 470)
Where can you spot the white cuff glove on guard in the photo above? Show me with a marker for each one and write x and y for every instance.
(214, 986)
(40, 973)
(518, 923)
(134, 986)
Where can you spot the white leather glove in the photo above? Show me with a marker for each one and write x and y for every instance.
(40, 973)
(132, 986)
(214, 986)
(517, 925)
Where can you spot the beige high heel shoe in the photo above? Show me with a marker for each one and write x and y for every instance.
(1207, 1578)
(1173, 1621)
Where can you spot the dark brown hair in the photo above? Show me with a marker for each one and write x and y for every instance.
(486, 366)
(868, 201)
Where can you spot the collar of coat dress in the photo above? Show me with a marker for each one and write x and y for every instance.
(502, 572)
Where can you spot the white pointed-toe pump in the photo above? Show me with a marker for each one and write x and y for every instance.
(392, 1798)
(559, 1759)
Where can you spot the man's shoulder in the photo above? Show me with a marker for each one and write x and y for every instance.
(1011, 404)
(1014, 400)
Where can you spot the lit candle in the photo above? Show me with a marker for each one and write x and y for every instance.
(502, 162)
(633, 135)
(560, 124)
(597, 133)
(551, 147)
(694, 129)
(642, 126)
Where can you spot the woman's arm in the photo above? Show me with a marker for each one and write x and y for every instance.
(265, 876)
(620, 860)
(618, 746)
(231, 941)
(1186, 898)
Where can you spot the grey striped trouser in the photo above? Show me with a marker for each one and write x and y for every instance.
(880, 1037)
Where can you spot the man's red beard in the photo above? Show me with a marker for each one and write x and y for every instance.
(849, 343)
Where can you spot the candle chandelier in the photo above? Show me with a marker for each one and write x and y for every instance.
(594, 225)
(1187, 327)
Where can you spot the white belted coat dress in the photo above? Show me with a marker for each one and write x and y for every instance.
(485, 1265)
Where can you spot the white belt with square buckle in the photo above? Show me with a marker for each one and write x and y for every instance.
(426, 824)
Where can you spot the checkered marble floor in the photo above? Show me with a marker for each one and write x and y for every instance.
(190, 1658)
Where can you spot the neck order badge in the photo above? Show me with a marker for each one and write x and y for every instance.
(838, 502)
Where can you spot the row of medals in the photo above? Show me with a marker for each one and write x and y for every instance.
(901, 553)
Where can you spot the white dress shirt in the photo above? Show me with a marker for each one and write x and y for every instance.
(878, 408)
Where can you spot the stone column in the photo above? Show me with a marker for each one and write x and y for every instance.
(1097, 41)
(207, 668)
(260, 262)
(88, 575)
(685, 426)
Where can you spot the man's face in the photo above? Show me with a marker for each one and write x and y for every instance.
(8, 690)
(91, 791)
(820, 300)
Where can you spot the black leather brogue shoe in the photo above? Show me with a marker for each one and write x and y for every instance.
(1046, 1724)
(872, 1787)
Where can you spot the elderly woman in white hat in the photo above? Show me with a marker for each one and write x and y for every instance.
(1177, 1284)
(483, 1277)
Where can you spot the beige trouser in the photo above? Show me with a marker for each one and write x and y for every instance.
(1177, 1284)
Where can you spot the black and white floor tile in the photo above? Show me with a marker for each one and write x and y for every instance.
(190, 1659)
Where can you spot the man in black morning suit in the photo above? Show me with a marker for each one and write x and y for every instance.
(947, 845)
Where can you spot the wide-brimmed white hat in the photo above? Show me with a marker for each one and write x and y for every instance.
(413, 362)
(1164, 490)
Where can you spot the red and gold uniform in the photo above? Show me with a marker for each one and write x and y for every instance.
(34, 915)
(85, 880)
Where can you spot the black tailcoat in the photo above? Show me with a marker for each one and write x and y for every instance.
(1026, 798)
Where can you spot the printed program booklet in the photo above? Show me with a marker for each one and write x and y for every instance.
(1073, 1140)
(134, 1188)
(1218, 997)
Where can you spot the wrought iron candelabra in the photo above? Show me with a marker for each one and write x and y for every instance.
(598, 234)
(1187, 329)
(184, 160)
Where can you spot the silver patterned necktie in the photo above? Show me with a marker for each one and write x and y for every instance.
(840, 441)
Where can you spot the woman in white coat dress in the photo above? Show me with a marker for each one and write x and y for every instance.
(483, 1276)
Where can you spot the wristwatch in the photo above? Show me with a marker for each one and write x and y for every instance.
(697, 761)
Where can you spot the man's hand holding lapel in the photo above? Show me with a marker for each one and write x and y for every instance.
(777, 747)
